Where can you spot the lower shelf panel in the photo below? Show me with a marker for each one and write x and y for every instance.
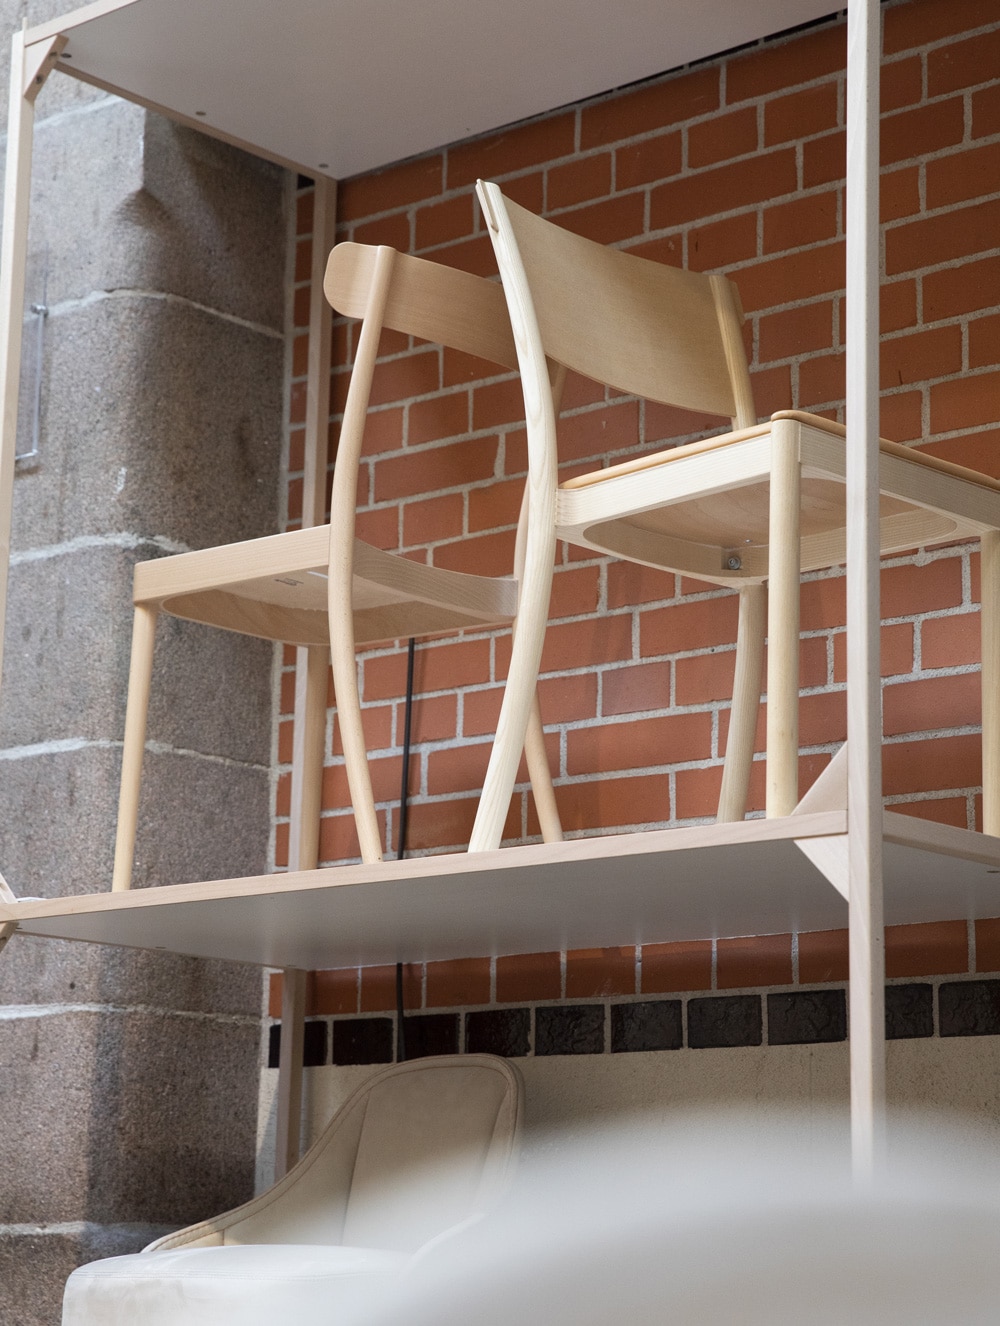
(673, 884)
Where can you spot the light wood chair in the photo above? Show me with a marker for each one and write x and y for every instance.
(322, 585)
(761, 503)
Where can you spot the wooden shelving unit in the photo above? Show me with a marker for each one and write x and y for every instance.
(292, 82)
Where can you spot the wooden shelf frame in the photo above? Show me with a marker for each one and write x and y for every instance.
(573, 893)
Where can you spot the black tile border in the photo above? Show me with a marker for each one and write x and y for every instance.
(800, 1015)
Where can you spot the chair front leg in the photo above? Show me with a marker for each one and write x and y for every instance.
(746, 702)
(990, 679)
(783, 622)
(136, 712)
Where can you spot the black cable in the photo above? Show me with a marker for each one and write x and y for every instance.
(404, 802)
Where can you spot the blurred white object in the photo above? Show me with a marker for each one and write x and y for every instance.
(416, 1153)
(724, 1221)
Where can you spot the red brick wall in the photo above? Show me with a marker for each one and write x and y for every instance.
(735, 165)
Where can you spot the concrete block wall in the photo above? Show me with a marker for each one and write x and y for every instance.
(734, 165)
(128, 1082)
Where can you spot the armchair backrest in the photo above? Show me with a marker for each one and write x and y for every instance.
(417, 1149)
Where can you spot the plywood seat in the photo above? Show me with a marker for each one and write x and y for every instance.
(711, 500)
(276, 588)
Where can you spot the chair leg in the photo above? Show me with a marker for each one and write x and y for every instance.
(746, 703)
(783, 622)
(541, 777)
(352, 737)
(990, 679)
(136, 710)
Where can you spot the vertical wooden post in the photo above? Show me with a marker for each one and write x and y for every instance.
(310, 678)
(864, 724)
(783, 622)
(746, 704)
(28, 70)
(990, 679)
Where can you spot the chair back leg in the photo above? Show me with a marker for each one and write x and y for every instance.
(746, 703)
(136, 711)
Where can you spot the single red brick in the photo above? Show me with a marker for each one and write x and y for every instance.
(940, 948)
(722, 188)
(963, 64)
(762, 960)
(901, 416)
(580, 180)
(457, 769)
(772, 389)
(607, 222)
(965, 402)
(986, 112)
(459, 981)
(801, 59)
(723, 137)
(704, 677)
(959, 290)
(922, 21)
(899, 195)
(796, 331)
(629, 583)
(599, 433)
(722, 243)
(821, 379)
(393, 230)
(963, 175)
(400, 379)
(921, 355)
(633, 689)
(958, 233)
(651, 106)
(793, 277)
(431, 520)
(442, 223)
(800, 114)
(613, 803)
(802, 221)
(664, 739)
(651, 159)
(587, 643)
(669, 968)
(984, 341)
(495, 506)
(896, 652)
(923, 129)
(977, 451)
(511, 150)
(897, 306)
(823, 956)
(988, 945)
(950, 641)
(684, 626)
(497, 403)
(824, 159)
(937, 702)
(568, 699)
(528, 976)
(902, 83)
(697, 793)
(338, 838)
(909, 590)
(593, 972)
(433, 468)
(440, 417)
(931, 765)
(823, 718)
(395, 186)
(441, 825)
(378, 988)
(335, 991)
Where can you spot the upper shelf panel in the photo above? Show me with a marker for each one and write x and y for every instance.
(338, 87)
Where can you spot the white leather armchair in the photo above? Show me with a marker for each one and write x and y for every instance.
(419, 1151)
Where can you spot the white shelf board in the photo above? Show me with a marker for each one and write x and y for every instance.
(672, 884)
(344, 86)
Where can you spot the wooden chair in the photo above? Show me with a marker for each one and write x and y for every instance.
(760, 503)
(321, 585)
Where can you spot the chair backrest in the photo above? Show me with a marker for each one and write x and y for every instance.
(644, 328)
(416, 1149)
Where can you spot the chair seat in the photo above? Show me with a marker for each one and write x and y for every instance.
(251, 1285)
(703, 508)
(276, 588)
